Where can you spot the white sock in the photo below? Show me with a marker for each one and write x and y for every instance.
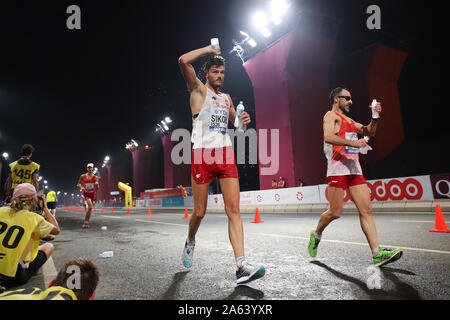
(190, 243)
(240, 261)
(317, 236)
(375, 251)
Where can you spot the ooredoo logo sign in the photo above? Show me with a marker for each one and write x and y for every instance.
(395, 190)
(440, 184)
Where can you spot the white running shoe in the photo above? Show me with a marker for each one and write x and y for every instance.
(249, 272)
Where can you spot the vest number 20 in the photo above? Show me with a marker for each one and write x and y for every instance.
(9, 234)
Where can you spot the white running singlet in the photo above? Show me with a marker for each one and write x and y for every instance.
(209, 129)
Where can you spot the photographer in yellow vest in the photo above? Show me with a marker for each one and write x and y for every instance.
(21, 256)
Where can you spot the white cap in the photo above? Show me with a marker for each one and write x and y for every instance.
(90, 165)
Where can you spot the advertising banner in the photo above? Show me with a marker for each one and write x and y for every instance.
(395, 189)
(297, 195)
(440, 183)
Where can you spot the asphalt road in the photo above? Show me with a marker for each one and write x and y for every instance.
(147, 257)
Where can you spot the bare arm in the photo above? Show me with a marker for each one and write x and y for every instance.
(187, 70)
(49, 217)
(371, 129)
(80, 183)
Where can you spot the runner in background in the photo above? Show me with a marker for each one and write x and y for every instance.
(88, 184)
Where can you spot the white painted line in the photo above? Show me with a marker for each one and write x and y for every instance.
(170, 224)
(111, 217)
(417, 221)
(49, 271)
(355, 243)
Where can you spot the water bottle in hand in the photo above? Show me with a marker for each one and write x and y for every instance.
(238, 123)
(375, 115)
(215, 44)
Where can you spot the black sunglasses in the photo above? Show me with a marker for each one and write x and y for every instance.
(345, 97)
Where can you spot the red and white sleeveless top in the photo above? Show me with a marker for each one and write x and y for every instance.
(89, 184)
(209, 129)
(343, 160)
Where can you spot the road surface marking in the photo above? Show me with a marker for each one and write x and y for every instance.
(170, 224)
(354, 243)
(417, 221)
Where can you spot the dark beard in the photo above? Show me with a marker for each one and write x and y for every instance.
(344, 111)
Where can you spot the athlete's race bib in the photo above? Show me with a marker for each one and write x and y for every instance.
(89, 187)
(219, 118)
(354, 137)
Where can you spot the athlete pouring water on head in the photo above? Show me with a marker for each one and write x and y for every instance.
(213, 155)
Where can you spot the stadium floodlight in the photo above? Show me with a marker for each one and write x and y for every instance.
(278, 8)
(245, 34)
(73, 195)
(58, 192)
(65, 193)
(265, 32)
(168, 120)
(276, 20)
(39, 179)
(132, 145)
(165, 125)
(46, 187)
(107, 158)
(45, 181)
(5, 155)
(252, 42)
(260, 20)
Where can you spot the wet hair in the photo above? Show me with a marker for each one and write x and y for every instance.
(336, 92)
(217, 61)
(89, 277)
(27, 149)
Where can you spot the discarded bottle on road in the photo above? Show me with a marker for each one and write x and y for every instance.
(107, 254)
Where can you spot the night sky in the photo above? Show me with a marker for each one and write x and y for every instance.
(80, 95)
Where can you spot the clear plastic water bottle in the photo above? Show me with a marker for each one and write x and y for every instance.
(375, 115)
(107, 254)
(238, 123)
(215, 43)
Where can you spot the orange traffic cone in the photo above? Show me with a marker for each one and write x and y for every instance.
(112, 210)
(186, 214)
(257, 217)
(440, 221)
(94, 209)
(128, 212)
(149, 214)
(103, 210)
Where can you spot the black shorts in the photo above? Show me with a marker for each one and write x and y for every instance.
(51, 205)
(23, 275)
